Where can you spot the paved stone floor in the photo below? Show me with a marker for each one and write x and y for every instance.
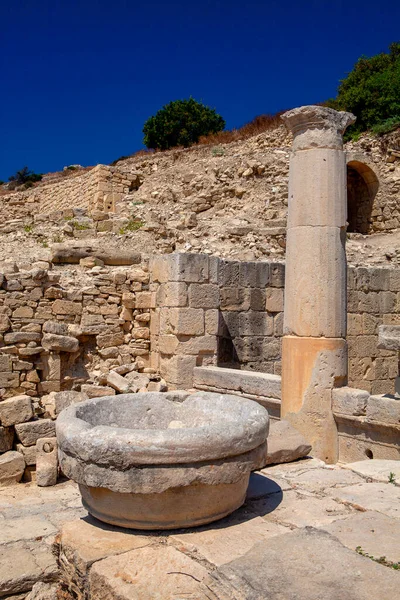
(306, 532)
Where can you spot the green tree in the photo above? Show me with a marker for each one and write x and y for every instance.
(181, 123)
(25, 176)
(371, 91)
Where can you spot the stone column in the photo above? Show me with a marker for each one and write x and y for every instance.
(314, 352)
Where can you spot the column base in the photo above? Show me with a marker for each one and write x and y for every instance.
(311, 367)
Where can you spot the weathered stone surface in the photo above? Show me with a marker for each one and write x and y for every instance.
(29, 433)
(174, 573)
(381, 497)
(285, 443)
(210, 440)
(43, 591)
(223, 543)
(55, 327)
(46, 462)
(21, 336)
(376, 534)
(66, 307)
(28, 452)
(16, 410)
(268, 570)
(118, 382)
(6, 438)
(12, 467)
(389, 337)
(319, 479)
(377, 470)
(23, 564)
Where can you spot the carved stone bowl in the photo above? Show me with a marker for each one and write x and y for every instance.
(162, 460)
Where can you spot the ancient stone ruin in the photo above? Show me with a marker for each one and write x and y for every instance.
(158, 370)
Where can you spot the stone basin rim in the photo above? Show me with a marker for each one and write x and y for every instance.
(245, 429)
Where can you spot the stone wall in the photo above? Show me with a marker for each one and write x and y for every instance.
(67, 333)
(101, 188)
(215, 312)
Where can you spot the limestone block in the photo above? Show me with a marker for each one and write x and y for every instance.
(137, 381)
(28, 452)
(66, 307)
(350, 401)
(211, 321)
(55, 327)
(5, 323)
(22, 365)
(145, 300)
(5, 363)
(182, 321)
(24, 563)
(389, 337)
(141, 333)
(95, 391)
(15, 410)
(277, 275)
(22, 337)
(255, 323)
(274, 301)
(63, 253)
(6, 438)
(170, 344)
(254, 274)
(191, 268)
(234, 298)
(248, 382)
(316, 304)
(285, 444)
(29, 433)
(46, 461)
(9, 380)
(204, 295)
(106, 340)
(23, 312)
(178, 370)
(175, 293)
(119, 383)
(12, 466)
(383, 409)
(60, 343)
(317, 189)
(43, 591)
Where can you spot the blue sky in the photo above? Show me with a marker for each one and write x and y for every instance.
(79, 78)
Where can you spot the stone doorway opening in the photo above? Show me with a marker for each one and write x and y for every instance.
(362, 186)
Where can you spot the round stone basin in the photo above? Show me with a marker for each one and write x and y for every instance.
(162, 460)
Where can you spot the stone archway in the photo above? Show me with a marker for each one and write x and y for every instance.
(362, 186)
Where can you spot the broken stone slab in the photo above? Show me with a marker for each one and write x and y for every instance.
(28, 452)
(385, 471)
(119, 383)
(46, 462)
(285, 443)
(247, 382)
(16, 410)
(55, 402)
(23, 564)
(12, 466)
(29, 433)
(59, 343)
(6, 438)
(55, 327)
(307, 564)
(137, 381)
(22, 337)
(147, 571)
(72, 254)
(374, 533)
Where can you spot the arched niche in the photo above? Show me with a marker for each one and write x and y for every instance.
(362, 186)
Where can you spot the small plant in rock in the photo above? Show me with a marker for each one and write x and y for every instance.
(136, 203)
(28, 228)
(132, 225)
(25, 176)
(217, 151)
(392, 477)
(382, 560)
(56, 239)
(68, 218)
(45, 243)
(80, 226)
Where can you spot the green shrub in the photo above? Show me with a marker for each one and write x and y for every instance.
(371, 91)
(386, 126)
(28, 228)
(132, 225)
(181, 123)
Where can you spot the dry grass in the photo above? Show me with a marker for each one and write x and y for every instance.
(255, 127)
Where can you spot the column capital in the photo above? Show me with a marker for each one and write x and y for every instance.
(317, 127)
